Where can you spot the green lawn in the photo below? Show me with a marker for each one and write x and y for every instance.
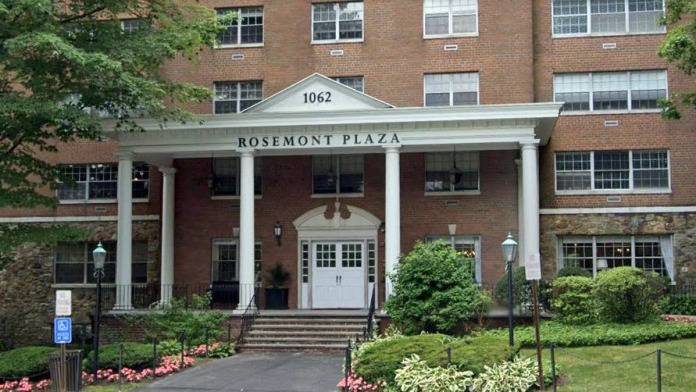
(112, 387)
(584, 376)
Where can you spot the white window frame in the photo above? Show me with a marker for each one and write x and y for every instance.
(630, 190)
(337, 21)
(337, 165)
(451, 89)
(595, 239)
(341, 79)
(476, 191)
(629, 97)
(451, 18)
(238, 22)
(474, 240)
(258, 172)
(238, 100)
(214, 254)
(87, 199)
(589, 24)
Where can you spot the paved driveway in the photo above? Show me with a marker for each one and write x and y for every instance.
(259, 372)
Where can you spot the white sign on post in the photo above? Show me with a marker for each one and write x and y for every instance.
(532, 267)
(63, 303)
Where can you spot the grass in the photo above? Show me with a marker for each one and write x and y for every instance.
(113, 387)
(581, 375)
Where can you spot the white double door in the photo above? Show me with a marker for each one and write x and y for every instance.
(338, 279)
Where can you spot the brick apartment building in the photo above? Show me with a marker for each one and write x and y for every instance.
(343, 132)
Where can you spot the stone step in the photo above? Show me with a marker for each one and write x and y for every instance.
(308, 327)
(294, 340)
(309, 320)
(282, 334)
(292, 346)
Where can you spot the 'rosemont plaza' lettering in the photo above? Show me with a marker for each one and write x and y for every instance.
(318, 140)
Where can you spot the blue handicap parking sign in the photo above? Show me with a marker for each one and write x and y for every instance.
(62, 330)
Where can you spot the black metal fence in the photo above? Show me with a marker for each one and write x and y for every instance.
(147, 296)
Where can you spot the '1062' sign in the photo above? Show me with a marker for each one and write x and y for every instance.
(320, 97)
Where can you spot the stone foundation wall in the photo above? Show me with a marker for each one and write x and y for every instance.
(681, 225)
(27, 298)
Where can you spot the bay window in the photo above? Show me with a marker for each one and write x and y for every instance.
(610, 91)
(245, 29)
(611, 171)
(596, 253)
(225, 178)
(452, 89)
(447, 172)
(607, 17)
(99, 182)
(341, 174)
(444, 18)
(337, 22)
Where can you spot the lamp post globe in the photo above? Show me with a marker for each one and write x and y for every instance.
(510, 252)
(99, 258)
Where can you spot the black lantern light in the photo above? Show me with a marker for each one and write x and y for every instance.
(510, 252)
(278, 232)
(99, 258)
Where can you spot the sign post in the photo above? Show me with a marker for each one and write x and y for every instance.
(62, 331)
(533, 274)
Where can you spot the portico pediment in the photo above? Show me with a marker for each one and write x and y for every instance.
(317, 93)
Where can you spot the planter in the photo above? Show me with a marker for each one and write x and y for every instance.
(277, 298)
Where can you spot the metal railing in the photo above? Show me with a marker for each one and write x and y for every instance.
(371, 317)
(248, 319)
(147, 295)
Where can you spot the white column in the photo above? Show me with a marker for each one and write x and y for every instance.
(392, 214)
(125, 231)
(246, 229)
(167, 267)
(520, 214)
(530, 199)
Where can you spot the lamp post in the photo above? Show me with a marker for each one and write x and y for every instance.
(99, 257)
(510, 251)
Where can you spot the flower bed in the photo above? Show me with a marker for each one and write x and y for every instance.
(682, 319)
(168, 365)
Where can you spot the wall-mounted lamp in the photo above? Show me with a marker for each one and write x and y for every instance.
(278, 232)
(382, 227)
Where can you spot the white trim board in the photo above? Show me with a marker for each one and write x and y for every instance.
(617, 210)
(67, 219)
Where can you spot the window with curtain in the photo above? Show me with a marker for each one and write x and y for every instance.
(450, 17)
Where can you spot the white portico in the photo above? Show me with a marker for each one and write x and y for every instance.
(318, 116)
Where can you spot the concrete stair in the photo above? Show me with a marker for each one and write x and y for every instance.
(325, 332)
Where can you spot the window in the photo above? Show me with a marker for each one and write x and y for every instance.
(605, 17)
(73, 263)
(305, 262)
(354, 82)
(594, 253)
(639, 170)
(452, 89)
(610, 91)
(468, 246)
(451, 171)
(132, 25)
(226, 260)
(450, 17)
(371, 261)
(225, 176)
(342, 174)
(235, 97)
(246, 29)
(337, 22)
(99, 181)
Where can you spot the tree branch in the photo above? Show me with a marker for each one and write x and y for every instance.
(86, 14)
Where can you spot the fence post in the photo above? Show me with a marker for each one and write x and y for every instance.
(120, 363)
(659, 370)
(348, 366)
(154, 356)
(553, 366)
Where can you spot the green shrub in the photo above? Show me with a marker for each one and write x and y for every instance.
(380, 360)
(516, 376)
(417, 376)
(135, 356)
(603, 334)
(573, 271)
(521, 290)
(627, 294)
(679, 305)
(168, 347)
(573, 301)
(24, 361)
(434, 290)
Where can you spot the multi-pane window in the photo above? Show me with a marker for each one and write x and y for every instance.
(452, 89)
(610, 91)
(371, 262)
(226, 260)
(325, 255)
(450, 17)
(639, 170)
(73, 262)
(341, 21)
(99, 181)
(604, 17)
(225, 176)
(596, 253)
(342, 174)
(468, 246)
(305, 261)
(354, 82)
(352, 255)
(452, 171)
(235, 97)
(245, 29)
(132, 25)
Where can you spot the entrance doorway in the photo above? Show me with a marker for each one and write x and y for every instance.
(338, 279)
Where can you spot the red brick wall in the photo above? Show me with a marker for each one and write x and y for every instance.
(287, 195)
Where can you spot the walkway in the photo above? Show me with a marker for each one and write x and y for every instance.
(259, 372)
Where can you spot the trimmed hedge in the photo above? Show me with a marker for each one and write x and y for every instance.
(24, 361)
(380, 360)
(573, 301)
(573, 271)
(135, 356)
(627, 295)
(604, 334)
(683, 304)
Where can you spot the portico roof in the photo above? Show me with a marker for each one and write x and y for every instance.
(344, 118)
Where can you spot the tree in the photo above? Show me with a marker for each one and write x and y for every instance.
(65, 64)
(679, 47)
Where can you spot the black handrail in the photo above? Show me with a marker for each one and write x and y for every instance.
(248, 319)
(371, 316)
